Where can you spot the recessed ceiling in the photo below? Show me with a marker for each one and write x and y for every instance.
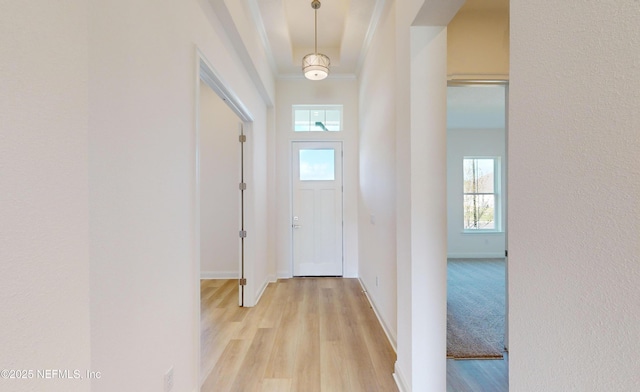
(344, 27)
(342, 32)
(332, 16)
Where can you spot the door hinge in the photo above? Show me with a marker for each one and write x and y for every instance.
(243, 234)
(506, 253)
(243, 138)
(243, 186)
(242, 281)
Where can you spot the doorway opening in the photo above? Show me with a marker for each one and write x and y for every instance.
(220, 138)
(317, 209)
(477, 226)
(221, 199)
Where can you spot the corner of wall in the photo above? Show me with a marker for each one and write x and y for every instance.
(400, 379)
(391, 335)
(269, 279)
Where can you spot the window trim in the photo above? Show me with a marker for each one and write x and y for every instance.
(497, 214)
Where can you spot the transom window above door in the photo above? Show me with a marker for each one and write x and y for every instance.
(317, 118)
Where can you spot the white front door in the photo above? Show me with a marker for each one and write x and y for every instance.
(317, 209)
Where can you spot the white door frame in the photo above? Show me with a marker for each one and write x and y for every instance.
(205, 72)
(293, 160)
(504, 196)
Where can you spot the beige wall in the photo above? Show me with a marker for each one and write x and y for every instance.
(478, 44)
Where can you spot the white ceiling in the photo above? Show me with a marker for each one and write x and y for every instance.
(344, 30)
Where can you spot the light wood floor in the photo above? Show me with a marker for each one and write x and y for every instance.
(306, 334)
(310, 334)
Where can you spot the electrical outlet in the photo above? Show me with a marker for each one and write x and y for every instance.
(168, 380)
(376, 281)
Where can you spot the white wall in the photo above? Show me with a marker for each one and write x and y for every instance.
(142, 141)
(219, 193)
(418, 114)
(478, 44)
(259, 157)
(237, 18)
(471, 142)
(44, 208)
(574, 176)
(377, 191)
(420, 43)
(477, 48)
(326, 92)
(428, 208)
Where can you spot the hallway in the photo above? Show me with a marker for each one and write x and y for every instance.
(306, 334)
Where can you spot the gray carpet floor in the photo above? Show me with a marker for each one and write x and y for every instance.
(475, 308)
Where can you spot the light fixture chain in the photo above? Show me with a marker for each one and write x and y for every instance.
(315, 65)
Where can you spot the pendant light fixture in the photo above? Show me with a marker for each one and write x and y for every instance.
(315, 65)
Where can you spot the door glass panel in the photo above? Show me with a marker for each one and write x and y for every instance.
(317, 165)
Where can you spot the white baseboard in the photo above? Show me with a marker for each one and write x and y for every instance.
(476, 255)
(385, 327)
(400, 379)
(219, 275)
(284, 275)
(269, 279)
